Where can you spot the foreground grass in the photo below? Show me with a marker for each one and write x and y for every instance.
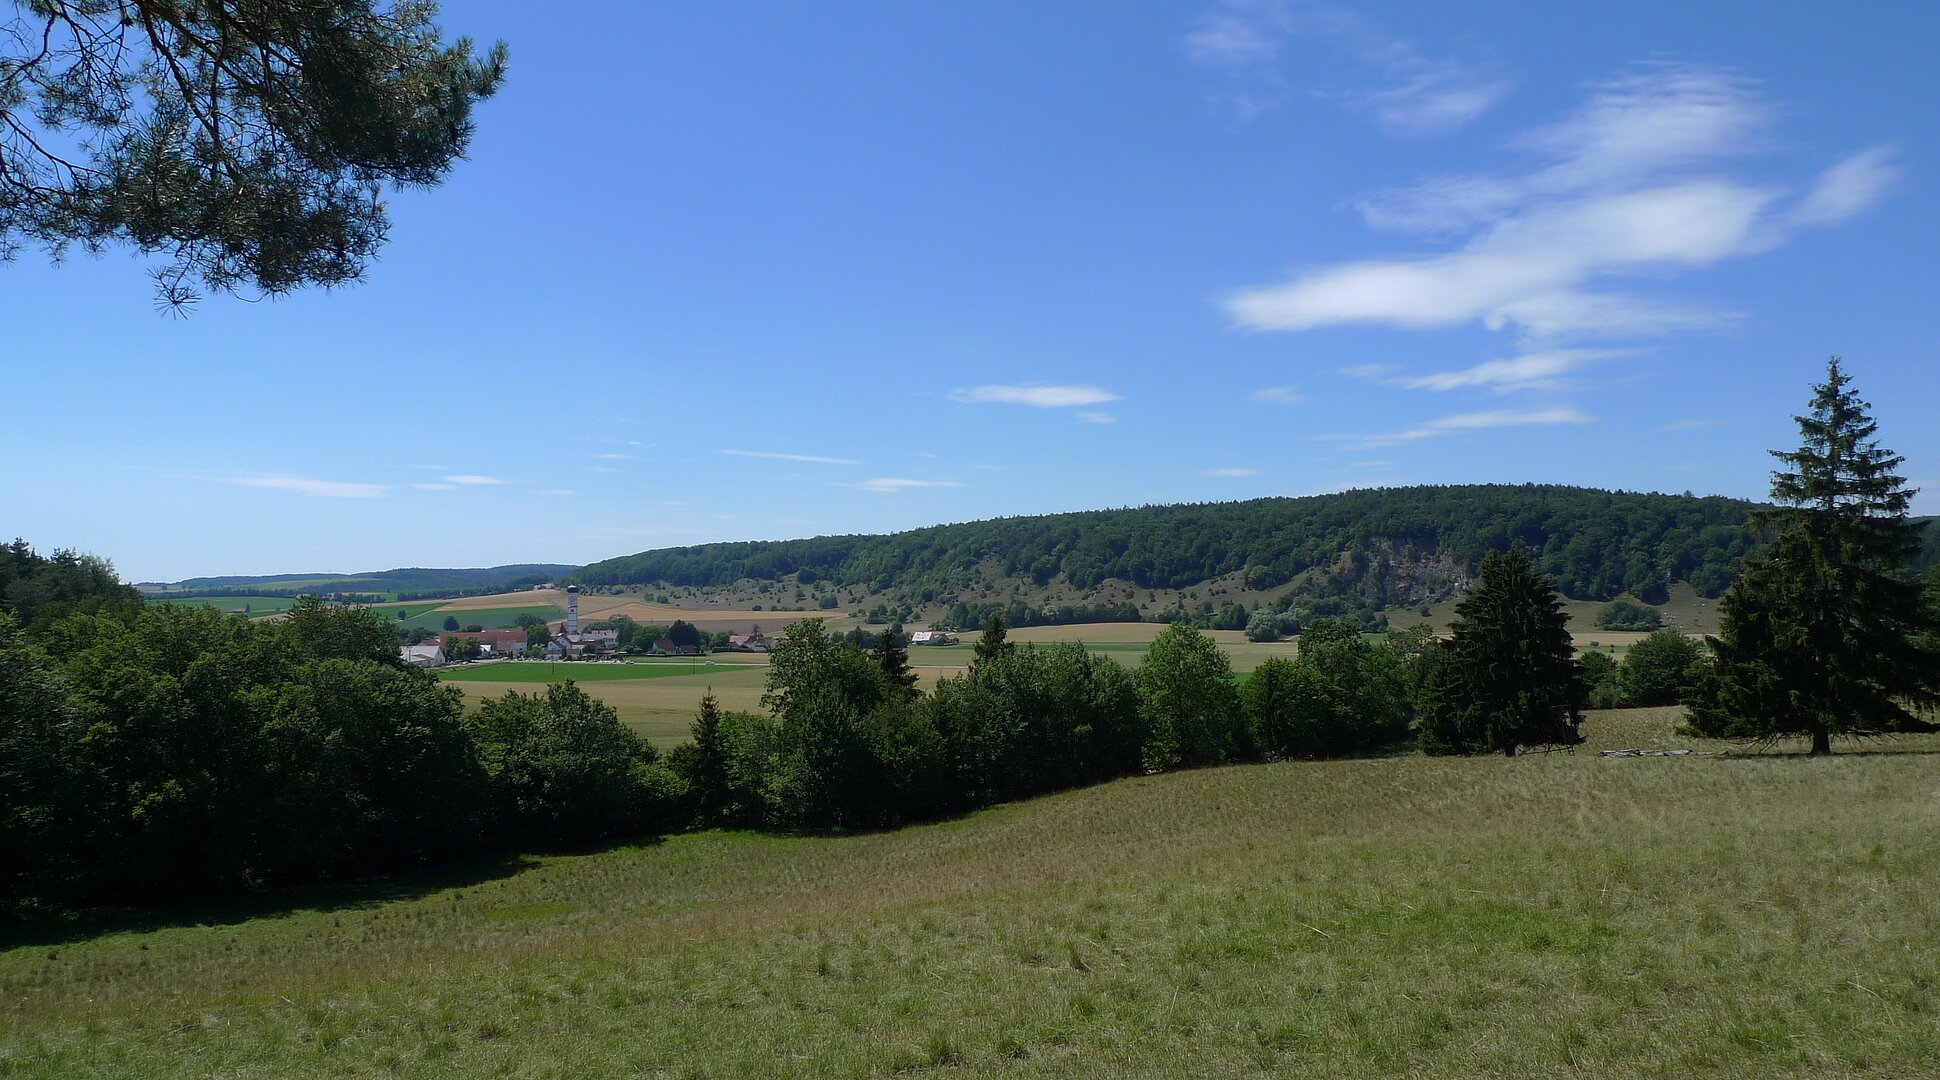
(1555, 913)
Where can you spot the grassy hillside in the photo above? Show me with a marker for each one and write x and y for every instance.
(1544, 915)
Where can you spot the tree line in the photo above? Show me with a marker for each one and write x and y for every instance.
(1595, 544)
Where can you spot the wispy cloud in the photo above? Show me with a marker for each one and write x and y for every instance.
(809, 459)
(1232, 471)
(1409, 91)
(615, 457)
(1628, 185)
(1279, 395)
(1473, 421)
(1687, 425)
(1037, 396)
(886, 485)
(474, 480)
(1531, 371)
(1089, 417)
(305, 485)
(435, 487)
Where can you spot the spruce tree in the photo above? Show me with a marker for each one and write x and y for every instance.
(992, 644)
(707, 776)
(892, 656)
(1828, 633)
(1509, 677)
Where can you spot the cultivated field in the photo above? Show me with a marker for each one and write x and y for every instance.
(253, 606)
(1556, 914)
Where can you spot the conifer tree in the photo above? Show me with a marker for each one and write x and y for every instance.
(707, 765)
(992, 644)
(1509, 677)
(1828, 633)
(892, 656)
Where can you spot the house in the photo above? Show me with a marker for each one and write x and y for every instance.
(497, 643)
(931, 637)
(747, 642)
(566, 645)
(428, 655)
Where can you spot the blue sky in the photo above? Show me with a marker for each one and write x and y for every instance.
(741, 271)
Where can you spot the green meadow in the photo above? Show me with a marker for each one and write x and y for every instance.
(1550, 914)
(432, 616)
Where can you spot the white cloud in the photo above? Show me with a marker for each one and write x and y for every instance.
(884, 485)
(1530, 371)
(1279, 395)
(1475, 421)
(435, 487)
(1228, 39)
(1414, 93)
(1232, 471)
(1848, 188)
(1097, 418)
(805, 458)
(615, 457)
(1628, 186)
(470, 480)
(1035, 395)
(304, 485)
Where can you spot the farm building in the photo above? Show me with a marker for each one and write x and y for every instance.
(755, 642)
(509, 642)
(572, 643)
(430, 654)
(931, 637)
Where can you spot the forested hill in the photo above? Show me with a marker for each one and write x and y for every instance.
(406, 584)
(1595, 543)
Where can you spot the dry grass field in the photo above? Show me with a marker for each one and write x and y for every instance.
(1547, 915)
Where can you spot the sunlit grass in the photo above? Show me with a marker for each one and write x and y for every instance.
(1548, 914)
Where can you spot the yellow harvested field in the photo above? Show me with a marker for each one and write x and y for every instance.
(607, 607)
(525, 598)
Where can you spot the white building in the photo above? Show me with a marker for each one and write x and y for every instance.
(430, 654)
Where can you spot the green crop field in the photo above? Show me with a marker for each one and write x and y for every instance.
(433, 616)
(540, 671)
(1552, 914)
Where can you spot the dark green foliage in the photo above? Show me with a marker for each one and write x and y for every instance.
(1191, 708)
(223, 755)
(891, 654)
(684, 634)
(1508, 679)
(246, 141)
(451, 623)
(32, 585)
(43, 788)
(1367, 700)
(1597, 544)
(1602, 680)
(561, 769)
(1284, 703)
(1657, 670)
(992, 644)
(1624, 615)
(1828, 634)
(702, 764)
(411, 584)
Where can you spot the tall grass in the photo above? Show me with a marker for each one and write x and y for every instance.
(1557, 913)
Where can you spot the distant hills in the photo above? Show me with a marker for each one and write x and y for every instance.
(1403, 545)
(405, 584)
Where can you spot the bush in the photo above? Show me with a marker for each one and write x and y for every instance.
(1657, 670)
(1624, 615)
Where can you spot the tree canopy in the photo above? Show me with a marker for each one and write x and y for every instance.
(247, 143)
(1829, 633)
